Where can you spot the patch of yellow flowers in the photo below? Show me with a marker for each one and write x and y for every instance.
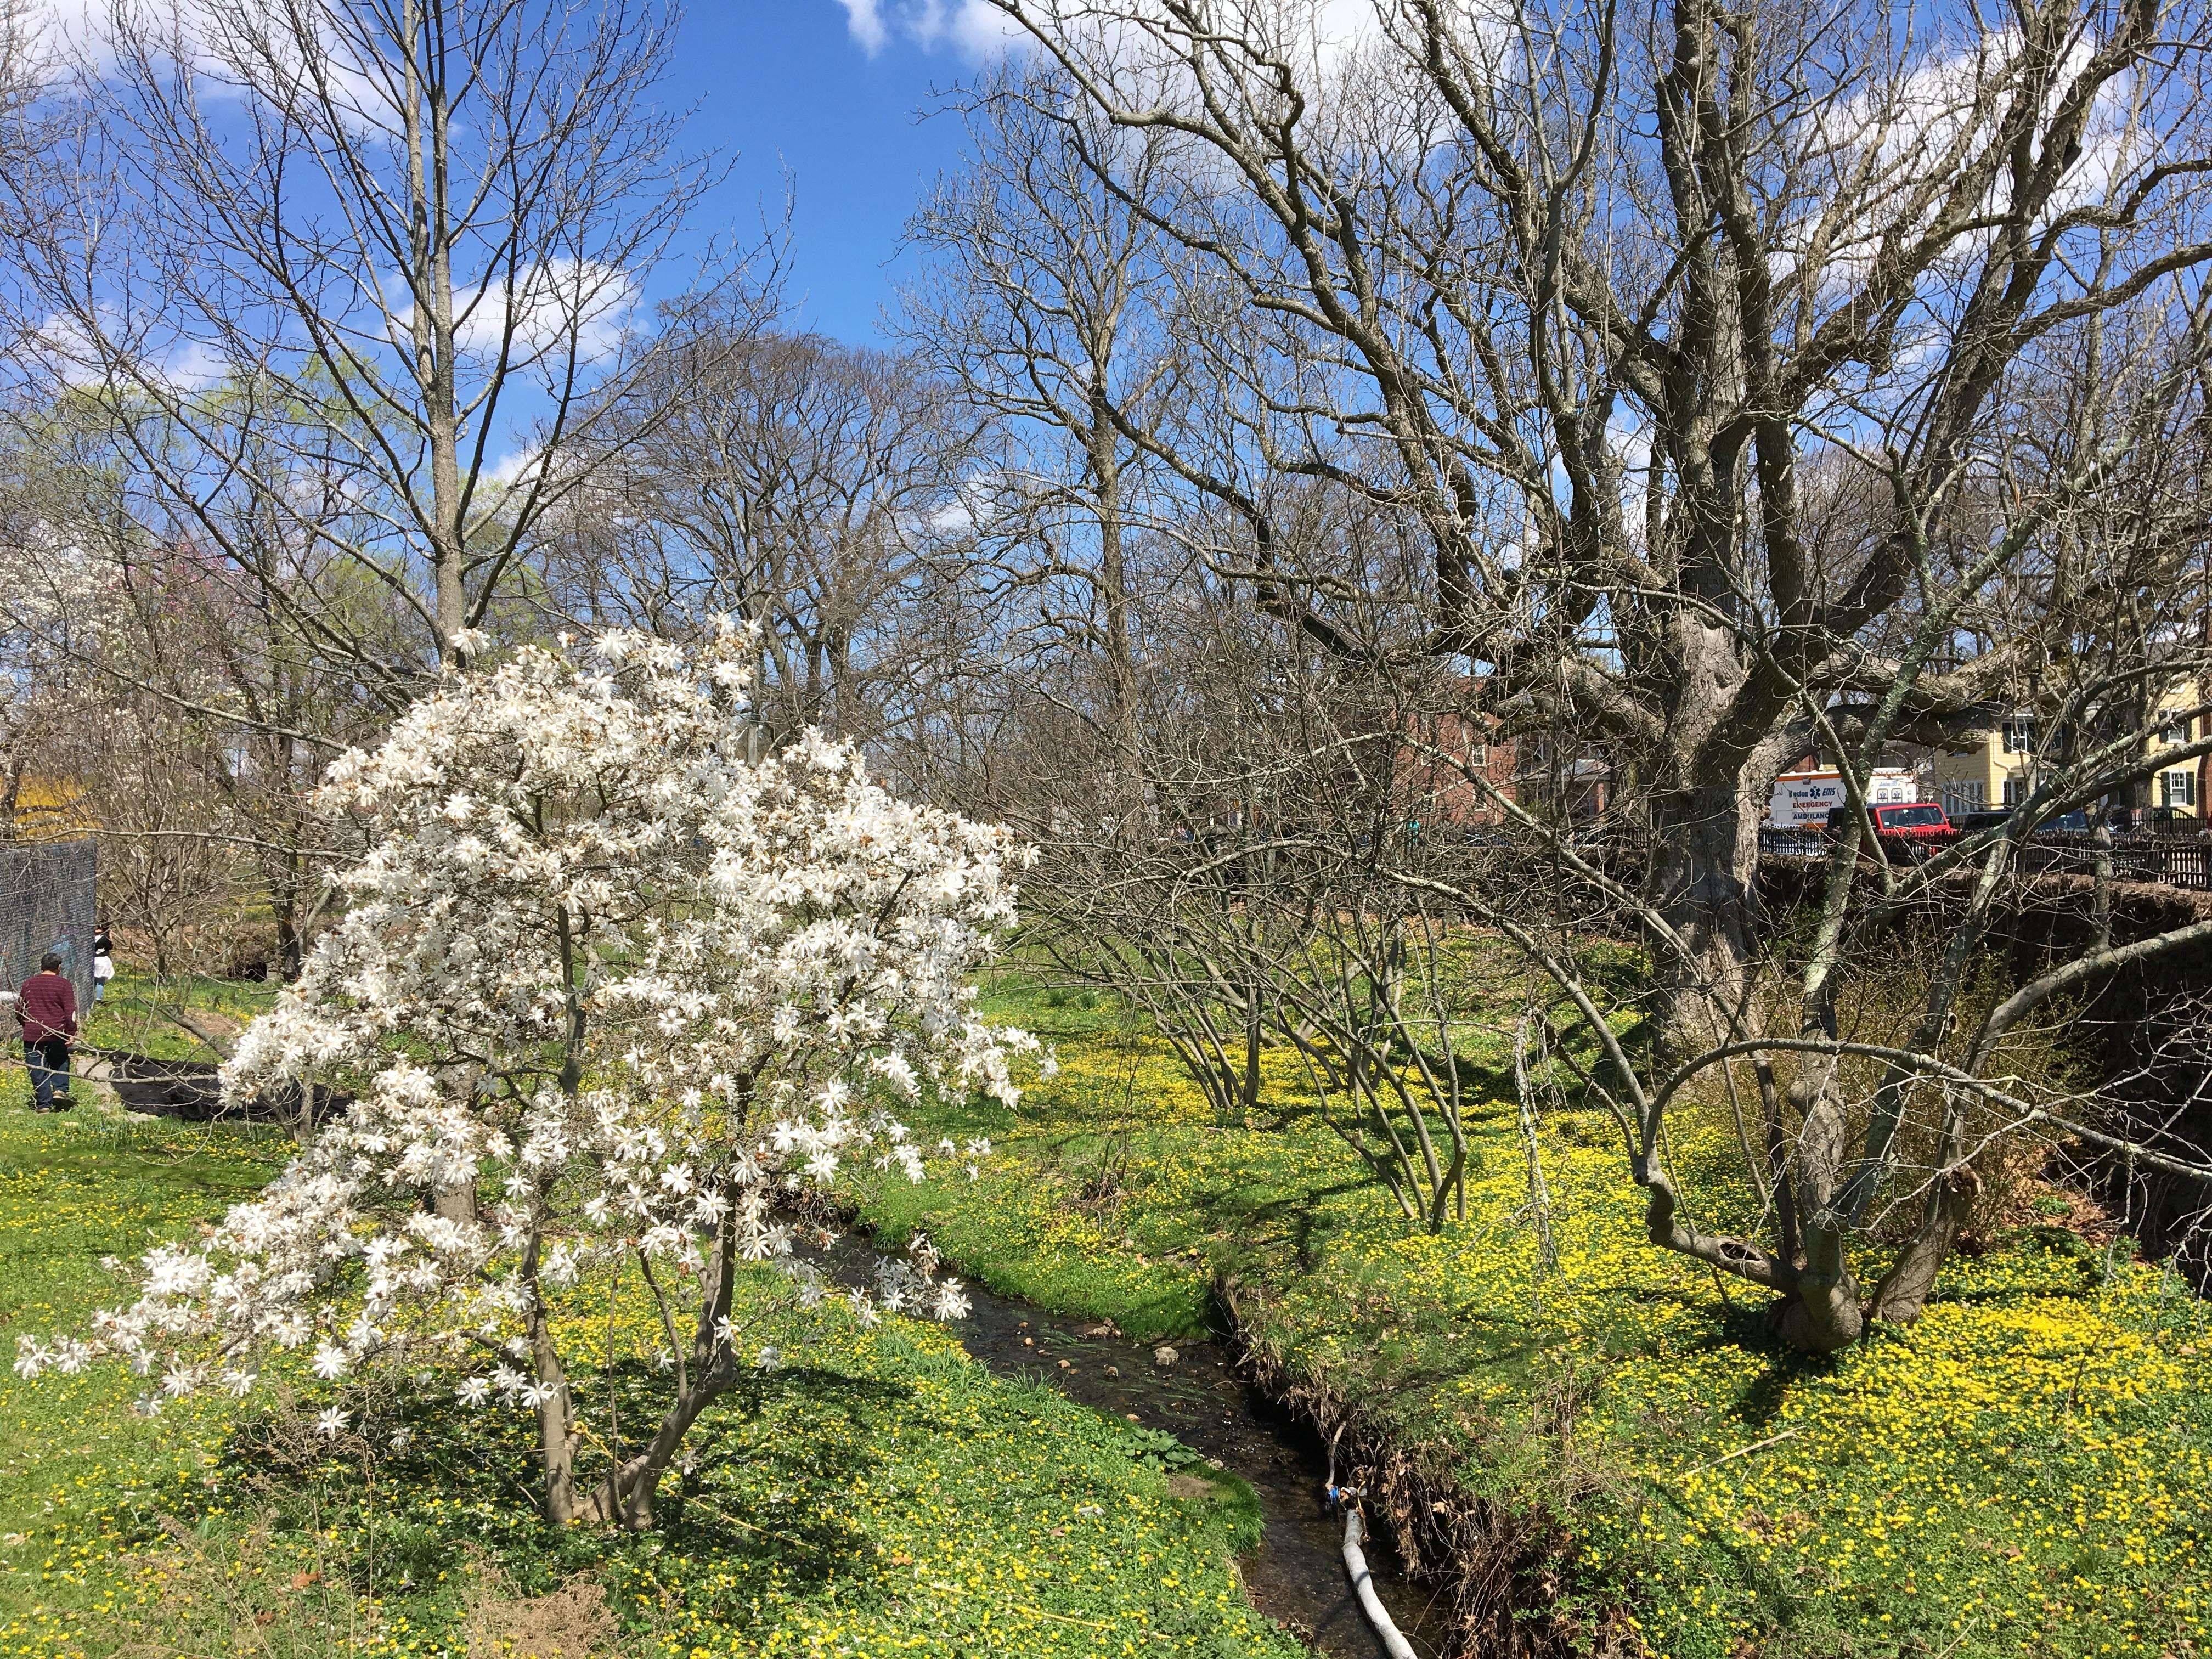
(2025, 1470)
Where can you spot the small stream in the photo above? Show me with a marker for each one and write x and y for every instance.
(187, 1089)
(1296, 1576)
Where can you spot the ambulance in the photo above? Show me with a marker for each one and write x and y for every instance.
(1802, 800)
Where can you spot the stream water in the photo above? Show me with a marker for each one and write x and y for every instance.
(1296, 1576)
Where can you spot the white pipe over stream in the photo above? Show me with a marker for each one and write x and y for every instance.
(1362, 1581)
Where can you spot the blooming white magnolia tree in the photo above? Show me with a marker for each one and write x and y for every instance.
(604, 987)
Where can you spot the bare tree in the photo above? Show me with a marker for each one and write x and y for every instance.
(141, 777)
(118, 615)
(196, 647)
(25, 69)
(327, 264)
(1692, 348)
(810, 487)
(1040, 304)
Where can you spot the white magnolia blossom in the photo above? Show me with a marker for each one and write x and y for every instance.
(602, 985)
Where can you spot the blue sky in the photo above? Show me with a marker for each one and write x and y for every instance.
(826, 88)
(790, 83)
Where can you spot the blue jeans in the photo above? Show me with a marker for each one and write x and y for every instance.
(50, 1071)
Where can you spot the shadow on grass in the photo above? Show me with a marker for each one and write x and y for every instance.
(775, 1502)
(766, 1498)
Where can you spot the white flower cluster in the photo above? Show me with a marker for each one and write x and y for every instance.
(602, 986)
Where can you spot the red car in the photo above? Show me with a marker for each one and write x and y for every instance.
(1910, 828)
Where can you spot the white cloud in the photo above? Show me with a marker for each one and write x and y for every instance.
(866, 19)
(974, 28)
(510, 468)
(1870, 157)
(1328, 30)
(593, 303)
(981, 31)
(65, 350)
(235, 50)
(63, 353)
(67, 29)
(952, 517)
(194, 367)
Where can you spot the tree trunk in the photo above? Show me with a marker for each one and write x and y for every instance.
(459, 1202)
(1105, 463)
(11, 794)
(455, 1203)
(556, 1434)
(1823, 1313)
(1705, 843)
(1247, 1099)
(289, 952)
(1905, 1289)
(427, 136)
(625, 1498)
(1705, 870)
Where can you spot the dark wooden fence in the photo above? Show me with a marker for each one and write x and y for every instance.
(2160, 860)
(2164, 861)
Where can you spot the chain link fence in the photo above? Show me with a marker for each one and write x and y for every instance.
(48, 902)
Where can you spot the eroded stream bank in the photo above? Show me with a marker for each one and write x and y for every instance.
(1296, 1576)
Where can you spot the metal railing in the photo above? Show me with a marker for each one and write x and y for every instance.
(1803, 844)
(2159, 860)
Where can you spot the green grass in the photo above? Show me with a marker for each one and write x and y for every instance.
(130, 1016)
(2028, 1469)
(880, 1495)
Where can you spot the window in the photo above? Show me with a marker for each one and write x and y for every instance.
(1961, 796)
(2176, 730)
(2177, 787)
(2018, 735)
(1478, 754)
(2015, 791)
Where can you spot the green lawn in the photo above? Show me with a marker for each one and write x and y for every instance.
(2027, 1470)
(130, 1015)
(882, 1495)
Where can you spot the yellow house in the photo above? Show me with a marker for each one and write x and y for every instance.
(2176, 786)
(1990, 763)
(1985, 766)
